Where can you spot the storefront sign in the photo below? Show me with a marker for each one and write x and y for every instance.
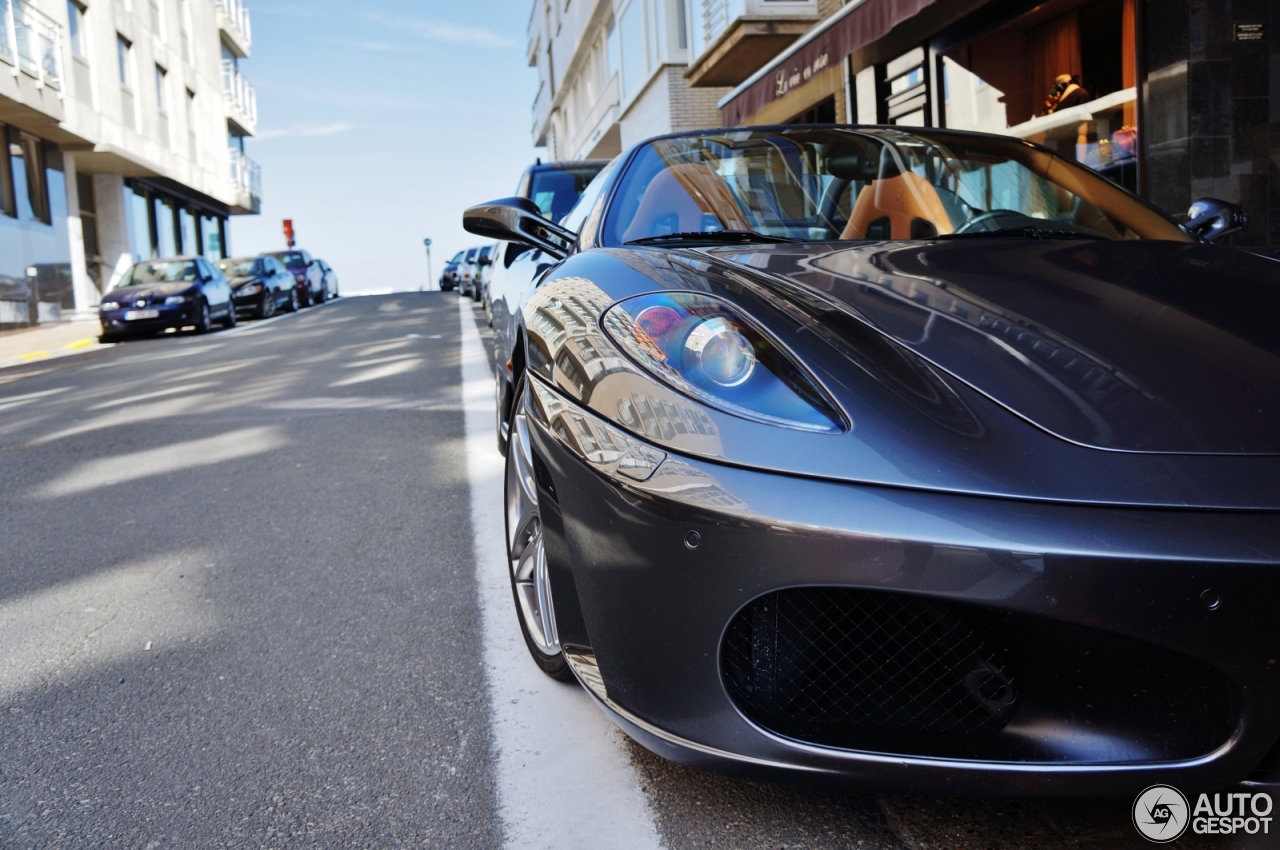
(1250, 32)
(855, 26)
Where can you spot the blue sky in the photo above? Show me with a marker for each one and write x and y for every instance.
(379, 122)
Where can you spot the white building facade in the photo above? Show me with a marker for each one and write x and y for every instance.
(612, 72)
(122, 128)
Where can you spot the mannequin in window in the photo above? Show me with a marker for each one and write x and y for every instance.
(1067, 92)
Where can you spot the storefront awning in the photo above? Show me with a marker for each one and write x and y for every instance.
(856, 25)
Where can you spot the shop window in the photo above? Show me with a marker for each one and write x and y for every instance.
(187, 230)
(27, 191)
(820, 113)
(905, 89)
(166, 228)
(1062, 75)
(89, 226)
(141, 238)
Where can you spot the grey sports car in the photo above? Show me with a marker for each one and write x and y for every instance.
(913, 460)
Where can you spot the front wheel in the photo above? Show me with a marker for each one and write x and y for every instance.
(229, 321)
(293, 301)
(527, 551)
(204, 323)
(267, 308)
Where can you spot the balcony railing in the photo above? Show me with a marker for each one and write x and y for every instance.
(245, 174)
(239, 93)
(236, 14)
(31, 41)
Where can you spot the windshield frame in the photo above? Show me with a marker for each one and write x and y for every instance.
(607, 204)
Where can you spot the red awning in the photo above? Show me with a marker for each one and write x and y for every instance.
(849, 29)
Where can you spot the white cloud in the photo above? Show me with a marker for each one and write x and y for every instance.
(314, 130)
(449, 33)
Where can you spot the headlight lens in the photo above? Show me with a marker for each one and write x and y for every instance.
(706, 348)
(109, 305)
(175, 299)
(250, 289)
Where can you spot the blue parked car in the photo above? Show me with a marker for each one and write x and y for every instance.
(174, 292)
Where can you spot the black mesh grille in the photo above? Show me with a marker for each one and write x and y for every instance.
(822, 664)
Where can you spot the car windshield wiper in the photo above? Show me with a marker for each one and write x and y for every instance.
(1024, 233)
(726, 236)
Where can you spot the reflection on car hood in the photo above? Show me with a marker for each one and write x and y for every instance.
(237, 282)
(1126, 346)
(147, 290)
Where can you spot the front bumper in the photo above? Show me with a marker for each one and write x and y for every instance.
(644, 616)
(170, 316)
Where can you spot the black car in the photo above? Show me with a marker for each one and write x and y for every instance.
(912, 460)
(556, 186)
(260, 285)
(307, 275)
(449, 277)
(166, 294)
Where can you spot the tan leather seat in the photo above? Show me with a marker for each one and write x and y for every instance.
(907, 201)
(686, 192)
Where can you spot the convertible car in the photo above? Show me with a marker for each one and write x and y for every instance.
(907, 460)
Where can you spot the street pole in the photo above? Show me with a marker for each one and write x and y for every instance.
(430, 279)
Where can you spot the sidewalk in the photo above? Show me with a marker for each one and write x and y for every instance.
(40, 343)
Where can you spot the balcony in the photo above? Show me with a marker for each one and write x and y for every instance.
(233, 20)
(541, 112)
(31, 42)
(246, 178)
(732, 39)
(240, 96)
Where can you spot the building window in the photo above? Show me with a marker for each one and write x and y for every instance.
(157, 19)
(192, 148)
(184, 19)
(631, 25)
(162, 99)
(124, 49)
(75, 29)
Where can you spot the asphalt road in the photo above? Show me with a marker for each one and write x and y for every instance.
(248, 599)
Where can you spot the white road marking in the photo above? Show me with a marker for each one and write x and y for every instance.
(564, 780)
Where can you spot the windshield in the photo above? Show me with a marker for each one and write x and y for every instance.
(242, 267)
(556, 190)
(837, 184)
(163, 271)
(292, 259)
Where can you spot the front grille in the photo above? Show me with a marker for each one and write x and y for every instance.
(820, 664)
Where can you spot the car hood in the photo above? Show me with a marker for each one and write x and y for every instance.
(1151, 347)
(147, 290)
(237, 282)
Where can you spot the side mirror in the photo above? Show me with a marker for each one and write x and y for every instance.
(518, 220)
(1211, 219)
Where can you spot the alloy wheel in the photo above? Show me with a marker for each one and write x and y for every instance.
(526, 549)
(268, 308)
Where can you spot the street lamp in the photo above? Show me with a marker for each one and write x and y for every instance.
(427, 244)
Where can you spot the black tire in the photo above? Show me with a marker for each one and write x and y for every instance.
(305, 299)
(203, 323)
(229, 321)
(323, 295)
(554, 665)
(267, 308)
(293, 301)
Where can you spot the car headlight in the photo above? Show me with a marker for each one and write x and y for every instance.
(708, 349)
(249, 289)
(175, 299)
(109, 305)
